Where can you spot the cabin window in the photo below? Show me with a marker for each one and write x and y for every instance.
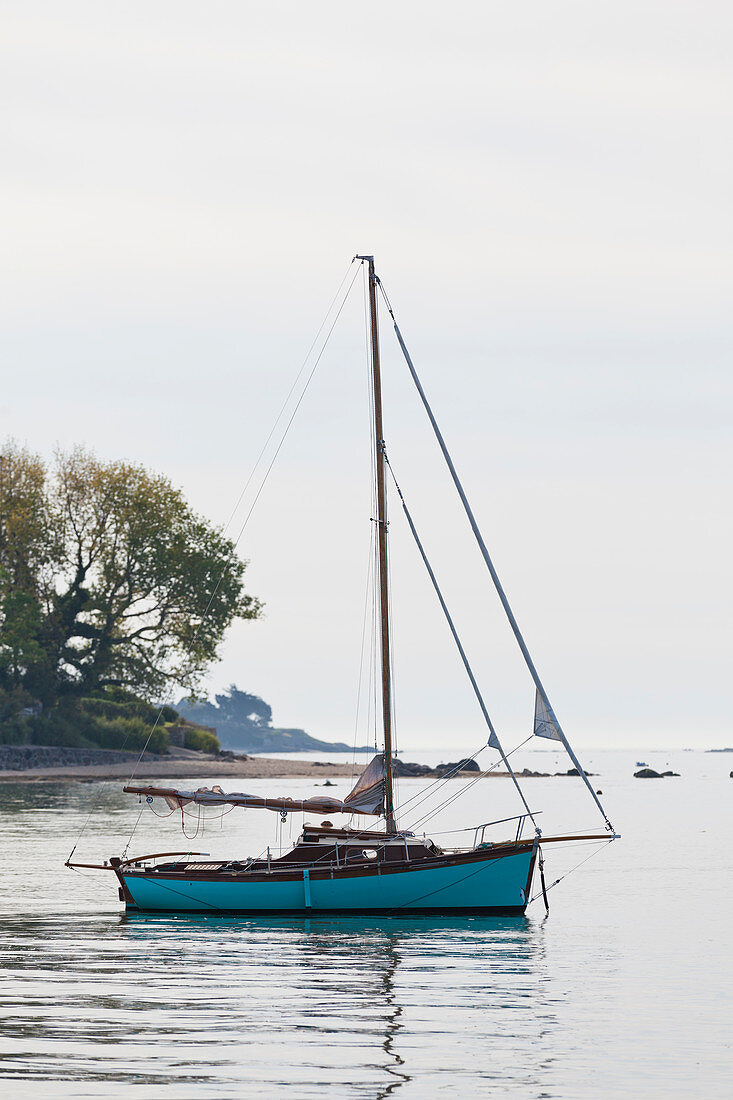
(369, 853)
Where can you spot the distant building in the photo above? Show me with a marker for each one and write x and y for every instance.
(33, 711)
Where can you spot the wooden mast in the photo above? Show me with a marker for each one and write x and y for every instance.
(382, 545)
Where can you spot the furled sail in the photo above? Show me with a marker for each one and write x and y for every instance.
(544, 720)
(367, 797)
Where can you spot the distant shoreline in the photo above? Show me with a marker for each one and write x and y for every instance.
(183, 764)
(179, 764)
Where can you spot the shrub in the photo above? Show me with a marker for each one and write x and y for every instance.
(68, 726)
(14, 727)
(97, 723)
(14, 731)
(131, 734)
(113, 702)
(201, 740)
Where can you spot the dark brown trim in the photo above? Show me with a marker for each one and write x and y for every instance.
(330, 871)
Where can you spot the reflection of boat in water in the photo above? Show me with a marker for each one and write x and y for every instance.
(353, 869)
(384, 989)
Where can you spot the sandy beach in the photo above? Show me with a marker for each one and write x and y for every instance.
(185, 765)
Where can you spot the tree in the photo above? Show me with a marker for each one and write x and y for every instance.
(25, 542)
(239, 706)
(108, 578)
(233, 707)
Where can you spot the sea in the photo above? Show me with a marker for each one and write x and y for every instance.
(624, 990)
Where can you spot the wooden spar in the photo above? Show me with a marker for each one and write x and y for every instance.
(382, 545)
(91, 866)
(152, 855)
(205, 797)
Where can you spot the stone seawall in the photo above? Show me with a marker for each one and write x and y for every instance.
(22, 757)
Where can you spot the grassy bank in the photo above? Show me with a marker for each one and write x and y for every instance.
(113, 719)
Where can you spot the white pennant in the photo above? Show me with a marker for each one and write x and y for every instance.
(544, 722)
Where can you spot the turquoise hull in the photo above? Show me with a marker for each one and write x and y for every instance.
(498, 885)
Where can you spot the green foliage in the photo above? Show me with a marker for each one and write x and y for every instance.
(111, 720)
(14, 727)
(90, 723)
(104, 706)
(109, 583)
(130, 734)
(64, 725)
(13, 731)
(201, 740)
(117, 719)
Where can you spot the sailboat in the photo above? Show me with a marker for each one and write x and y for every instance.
(356, 868)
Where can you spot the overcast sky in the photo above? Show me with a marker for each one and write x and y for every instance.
(546, 188)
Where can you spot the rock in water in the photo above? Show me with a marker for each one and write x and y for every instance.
(405, 768)
(466, 765)
(647, 773)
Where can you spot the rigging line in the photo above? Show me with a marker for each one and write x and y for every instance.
(374, 656)
(448, 801)
(421, 796)
(460, 792)
(236, 542)
(489, 563)
(129, 839)
(361, 657)
(295, 410)
(162, 816)
(370, 561)
(541, 893)
(486, 867)
(392, 650)
(262, 485)
(494, 741)
(91, 878)
(287, 399)
(471, 828)
(370, 706)
(226, 526)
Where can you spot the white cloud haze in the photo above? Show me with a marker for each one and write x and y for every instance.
(546, 188)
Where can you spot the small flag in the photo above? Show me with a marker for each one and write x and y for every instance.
(545, 724)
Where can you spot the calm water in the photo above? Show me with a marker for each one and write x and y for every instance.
(626, 990)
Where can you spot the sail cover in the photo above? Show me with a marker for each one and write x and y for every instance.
(367, 797)
(544, 720)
